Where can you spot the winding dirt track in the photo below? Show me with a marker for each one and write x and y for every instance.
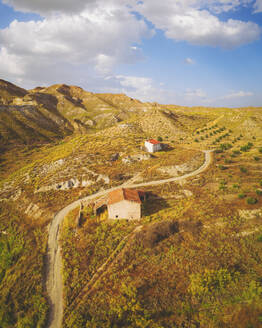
(54, 282)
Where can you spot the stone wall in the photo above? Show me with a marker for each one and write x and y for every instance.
(124, 210)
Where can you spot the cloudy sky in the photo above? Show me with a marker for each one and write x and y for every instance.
(185, 52)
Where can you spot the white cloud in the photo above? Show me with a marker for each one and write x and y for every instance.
(197, 93)
(62, 46)
(238, 94)
(189, 21)
(222, 5)
(142, 88)
(48, 6)
(189, 61)
(258, 6)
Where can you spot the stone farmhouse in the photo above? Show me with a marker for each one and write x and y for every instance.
(153, 145)
(122, 203)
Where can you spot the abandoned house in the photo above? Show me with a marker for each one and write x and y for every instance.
(122, 203)
(153, 145)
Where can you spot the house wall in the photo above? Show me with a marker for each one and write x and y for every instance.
(124, 210)
(149, 147)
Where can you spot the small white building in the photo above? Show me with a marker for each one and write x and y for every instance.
(153, 145)
(124, 204)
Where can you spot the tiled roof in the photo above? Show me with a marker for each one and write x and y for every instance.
(123, 194)
(153, 141)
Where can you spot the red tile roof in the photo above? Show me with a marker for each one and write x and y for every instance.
(123, 194)
(153, 141)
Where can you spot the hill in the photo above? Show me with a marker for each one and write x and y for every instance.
(193, 260)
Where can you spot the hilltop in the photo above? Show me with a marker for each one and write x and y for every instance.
(43, 115)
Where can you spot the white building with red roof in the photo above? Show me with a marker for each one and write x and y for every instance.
(153, 145)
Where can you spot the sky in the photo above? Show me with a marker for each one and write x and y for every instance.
(183, 52)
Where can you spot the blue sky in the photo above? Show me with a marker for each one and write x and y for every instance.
(195, 52)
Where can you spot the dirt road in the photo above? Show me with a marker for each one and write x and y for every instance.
(54, 282)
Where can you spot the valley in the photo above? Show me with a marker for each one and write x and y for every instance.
(192, 260)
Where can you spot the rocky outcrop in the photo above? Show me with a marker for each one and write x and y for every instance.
(136, 158)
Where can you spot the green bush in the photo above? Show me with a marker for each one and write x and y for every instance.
(211, 281)
(256, 158)
(259, 238)
(259, 192)
(243, 169)
(241, 195)
(226, 146)
(244, 148)
(159, 138)
(251, 200)
(247, 147)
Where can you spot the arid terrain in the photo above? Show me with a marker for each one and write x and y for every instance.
(195, 257)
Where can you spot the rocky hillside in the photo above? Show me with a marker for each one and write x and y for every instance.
(46, 114)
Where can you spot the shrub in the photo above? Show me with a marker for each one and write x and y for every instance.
(236, 186)
(243, 169)
(259, 192)
(159, 138)
(223, 185)
(244, 148)
(259, 238)
(236, 152)
(225, 146)
(256, 158)
(260, 150)
(211, 281)
(196, 140)
(251, 200)
(241, 195)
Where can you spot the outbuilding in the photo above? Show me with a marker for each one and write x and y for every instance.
(125, 203)
(153, 145)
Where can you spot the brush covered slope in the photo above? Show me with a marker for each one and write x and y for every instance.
(193, 260)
